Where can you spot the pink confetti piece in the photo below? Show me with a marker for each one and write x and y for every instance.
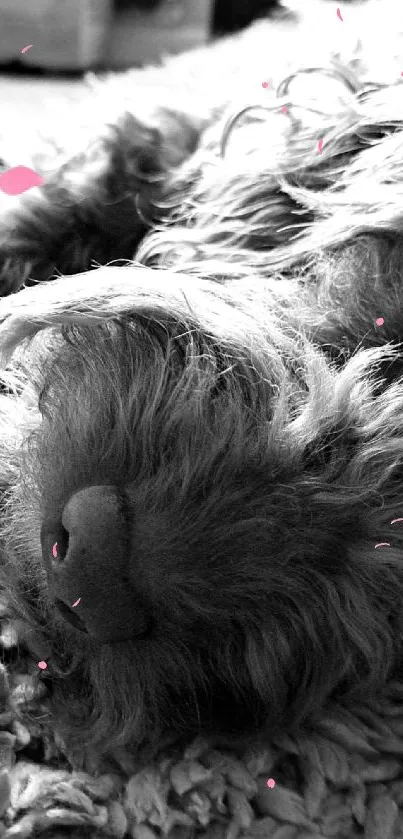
(395, 520)
(76, 602)
(271, 783)
(28, 47)
(379, 321)
(320, 146)
(383, 545)
(338, 13)
(19, 179)
(42, 665)
(54, 550)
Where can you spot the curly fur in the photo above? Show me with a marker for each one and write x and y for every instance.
(231, 378)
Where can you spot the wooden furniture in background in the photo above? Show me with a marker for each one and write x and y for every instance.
(80, 34)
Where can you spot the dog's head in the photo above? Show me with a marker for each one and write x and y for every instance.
(192, 490)
(209, 489)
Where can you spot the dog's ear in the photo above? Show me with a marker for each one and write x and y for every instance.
(292, 195)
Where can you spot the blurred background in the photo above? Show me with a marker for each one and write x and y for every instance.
(78, 34)
(46, 46)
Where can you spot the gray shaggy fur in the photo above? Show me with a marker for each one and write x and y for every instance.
(231, 379)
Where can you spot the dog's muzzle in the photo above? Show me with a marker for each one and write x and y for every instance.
(87, 557)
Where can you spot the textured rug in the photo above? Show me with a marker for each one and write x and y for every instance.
(341, 778)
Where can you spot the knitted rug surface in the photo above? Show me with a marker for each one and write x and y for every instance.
(342, 778)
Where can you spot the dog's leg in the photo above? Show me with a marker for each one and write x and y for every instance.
(107, 172)
(96, 201)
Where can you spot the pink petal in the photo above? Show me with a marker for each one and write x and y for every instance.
(19, 179)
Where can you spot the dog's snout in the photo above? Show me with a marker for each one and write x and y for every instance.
(86, 556)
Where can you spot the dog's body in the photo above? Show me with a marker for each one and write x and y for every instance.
(233, 387)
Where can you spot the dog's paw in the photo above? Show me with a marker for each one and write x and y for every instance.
(95, 204)
(83, 214)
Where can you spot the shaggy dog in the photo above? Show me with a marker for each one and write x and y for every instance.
(201, 449)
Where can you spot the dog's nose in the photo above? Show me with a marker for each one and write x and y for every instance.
(87, 557)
